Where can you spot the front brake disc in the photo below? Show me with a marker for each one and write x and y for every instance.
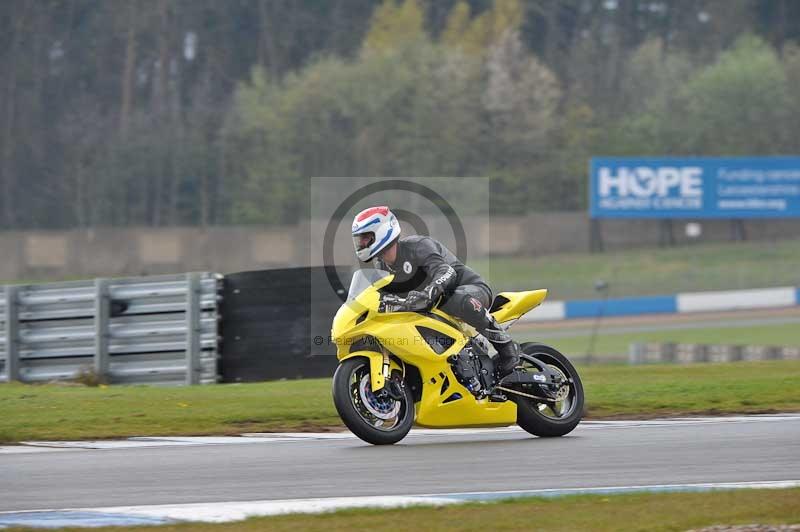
(381, 407)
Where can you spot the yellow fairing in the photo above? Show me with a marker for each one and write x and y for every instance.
(376, 369)
(517, 304)
(434, 412)
(444, 402)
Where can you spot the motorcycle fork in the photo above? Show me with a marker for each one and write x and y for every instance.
(386, 363)
(393, 386)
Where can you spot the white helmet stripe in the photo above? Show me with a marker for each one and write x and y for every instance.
(382, 223)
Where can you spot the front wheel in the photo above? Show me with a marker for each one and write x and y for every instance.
(562, 416)
(376, 418)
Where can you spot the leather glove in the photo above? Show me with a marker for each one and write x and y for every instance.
(425, 299)
(434, 292)
(416, 300)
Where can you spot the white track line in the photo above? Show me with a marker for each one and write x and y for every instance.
(236, 511)
(289, 437)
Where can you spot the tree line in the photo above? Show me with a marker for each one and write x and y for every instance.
(196, 112)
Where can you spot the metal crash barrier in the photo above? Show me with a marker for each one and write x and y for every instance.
(170, 329)
(673, 353)
(146, 330)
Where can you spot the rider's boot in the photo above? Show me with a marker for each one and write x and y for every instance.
(507, 348)
(508, 358)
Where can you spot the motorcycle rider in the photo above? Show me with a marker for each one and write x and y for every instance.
(432, 276)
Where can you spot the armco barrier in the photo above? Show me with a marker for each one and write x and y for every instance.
(175, 329)
(159, 330)
(672, 353)
(712, 301)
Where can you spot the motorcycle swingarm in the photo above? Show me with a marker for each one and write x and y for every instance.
(544, 376)
(540, 380)
(519, 377)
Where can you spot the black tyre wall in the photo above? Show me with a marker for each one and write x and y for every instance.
(270, 319)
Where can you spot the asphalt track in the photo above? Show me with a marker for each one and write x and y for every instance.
(275, 467)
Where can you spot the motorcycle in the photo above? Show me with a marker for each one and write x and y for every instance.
(399, 367)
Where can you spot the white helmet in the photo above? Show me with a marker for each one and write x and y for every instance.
(374, 229)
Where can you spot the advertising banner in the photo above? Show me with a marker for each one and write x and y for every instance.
(698, 187)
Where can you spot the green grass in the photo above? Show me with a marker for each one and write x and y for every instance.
(54, 412)
(617, 344)
(652, 512)
(741, 387)
(649, 271)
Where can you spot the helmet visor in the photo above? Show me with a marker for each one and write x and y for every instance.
(363, 241)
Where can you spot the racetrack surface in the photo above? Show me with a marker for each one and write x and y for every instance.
(624, 453)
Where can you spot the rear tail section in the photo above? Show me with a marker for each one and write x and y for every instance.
(509, 306)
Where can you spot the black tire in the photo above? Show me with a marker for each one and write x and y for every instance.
(345, 398)
(529, 416)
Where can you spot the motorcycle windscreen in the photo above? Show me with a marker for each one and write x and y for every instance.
(366, 278)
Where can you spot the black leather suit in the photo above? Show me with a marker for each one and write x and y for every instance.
(422, 261)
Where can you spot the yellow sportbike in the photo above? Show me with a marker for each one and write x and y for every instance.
(399, 367)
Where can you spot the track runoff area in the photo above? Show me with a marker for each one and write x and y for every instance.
(153, 480)
(111, 483)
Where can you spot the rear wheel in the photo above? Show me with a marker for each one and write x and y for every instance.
(376, 418)
(550, 419)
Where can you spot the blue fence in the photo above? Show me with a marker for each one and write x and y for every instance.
(668, 304)
(625, 306)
